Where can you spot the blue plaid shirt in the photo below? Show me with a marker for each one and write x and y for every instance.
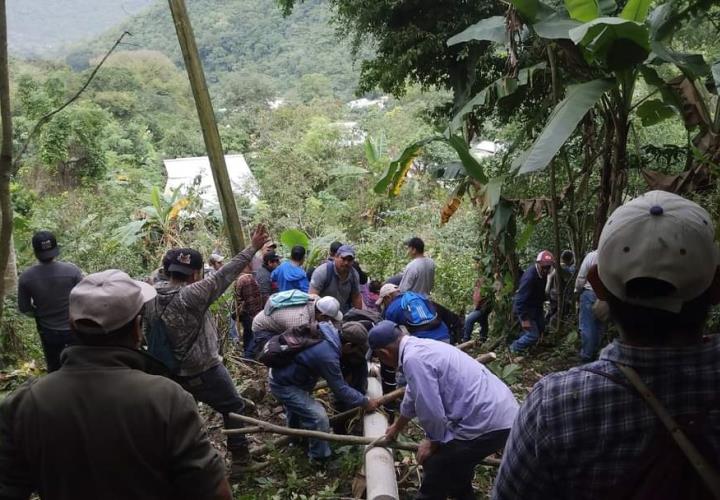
(579, 433)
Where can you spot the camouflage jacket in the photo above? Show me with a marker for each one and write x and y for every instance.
(184, 310)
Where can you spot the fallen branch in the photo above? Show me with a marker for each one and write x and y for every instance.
(369, 442)
(325, 436)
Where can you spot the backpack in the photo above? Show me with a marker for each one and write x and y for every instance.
(418, 312)
(159, 345)
(280, 350)
(288, 298)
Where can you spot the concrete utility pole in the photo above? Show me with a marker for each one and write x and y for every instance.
(208, 123)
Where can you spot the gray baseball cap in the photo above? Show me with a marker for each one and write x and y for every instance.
(662, 236)
(106, 301)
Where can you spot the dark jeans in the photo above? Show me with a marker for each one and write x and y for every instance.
(247, 336)
(450, 470)
(215, 388)
(257, 343)
(53, 343)
(477, 316)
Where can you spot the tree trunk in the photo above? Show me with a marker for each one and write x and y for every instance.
(601, 213)
(6, 213)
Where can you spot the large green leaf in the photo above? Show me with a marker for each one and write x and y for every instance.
(472, 167)
(612, 42)
(491, 29)
(129, 233)
(583, 10)
(692, 65)
(636, 10)
(563, 121)
(653, 79)
(607, 7)
(654, 111)
(555, 27)
(528, 9)
(498, 89)
(398, 168)
(293, 237)
(501, 217)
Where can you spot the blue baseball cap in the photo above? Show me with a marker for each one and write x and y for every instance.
(345, 251)
(383, 334)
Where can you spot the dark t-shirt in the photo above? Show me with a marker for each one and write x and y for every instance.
(44, 290)
(102, 428)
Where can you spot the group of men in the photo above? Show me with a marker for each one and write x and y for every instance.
(541, 281)
(642, 422)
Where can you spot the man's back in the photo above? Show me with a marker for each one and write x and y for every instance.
(580, 433)
(102, 428)
(44, 289)
(419, 276)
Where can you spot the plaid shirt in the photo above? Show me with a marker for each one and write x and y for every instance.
(248, 299)
(579, 433)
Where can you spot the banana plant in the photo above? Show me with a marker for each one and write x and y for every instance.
(157, 222)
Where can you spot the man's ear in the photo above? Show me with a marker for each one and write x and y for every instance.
(714, 290)
(594, 278)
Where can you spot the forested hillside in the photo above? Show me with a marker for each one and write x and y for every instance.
(244, 37)
(46, 28)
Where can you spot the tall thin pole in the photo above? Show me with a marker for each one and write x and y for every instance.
(208, 123)
(6, 213)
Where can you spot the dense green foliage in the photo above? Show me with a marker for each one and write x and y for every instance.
(243, 39)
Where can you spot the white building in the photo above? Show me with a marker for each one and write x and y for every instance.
(184, 172)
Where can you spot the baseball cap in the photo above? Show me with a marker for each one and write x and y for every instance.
(108, 301)
(346, 251)
(186, 261)
(329, 306)
(384, 333)
(662, 236)
(545, 258)
(386, 290)
(269, 257)
(45, 245)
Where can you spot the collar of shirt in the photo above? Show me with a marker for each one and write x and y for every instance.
(652, 357)
(401, 351)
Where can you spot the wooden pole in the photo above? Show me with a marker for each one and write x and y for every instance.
(6, 153)
(208, 124)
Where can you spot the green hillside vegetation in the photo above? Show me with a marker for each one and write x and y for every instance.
(244, 38)
(63, 23)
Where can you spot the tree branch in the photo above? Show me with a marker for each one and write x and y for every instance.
(45, 119)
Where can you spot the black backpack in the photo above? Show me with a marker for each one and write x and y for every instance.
(281, 349)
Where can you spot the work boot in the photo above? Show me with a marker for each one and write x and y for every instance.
(242, 464)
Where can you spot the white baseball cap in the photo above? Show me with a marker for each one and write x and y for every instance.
(663, 236)
(329, 306)
(107, 301)
(385, 290)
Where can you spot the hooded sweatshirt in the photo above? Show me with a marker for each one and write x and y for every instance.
(289, 276)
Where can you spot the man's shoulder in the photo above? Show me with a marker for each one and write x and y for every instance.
(580, 382)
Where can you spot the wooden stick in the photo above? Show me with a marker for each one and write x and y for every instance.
(326, 436)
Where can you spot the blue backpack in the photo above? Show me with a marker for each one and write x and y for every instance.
(417, 310)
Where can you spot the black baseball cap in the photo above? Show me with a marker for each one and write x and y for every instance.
(186, 261)
(45, 245)
(270, 257)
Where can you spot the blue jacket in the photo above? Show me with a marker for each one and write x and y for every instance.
(530, 295)
(394, 312)
(288, 276)
(320, 360)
